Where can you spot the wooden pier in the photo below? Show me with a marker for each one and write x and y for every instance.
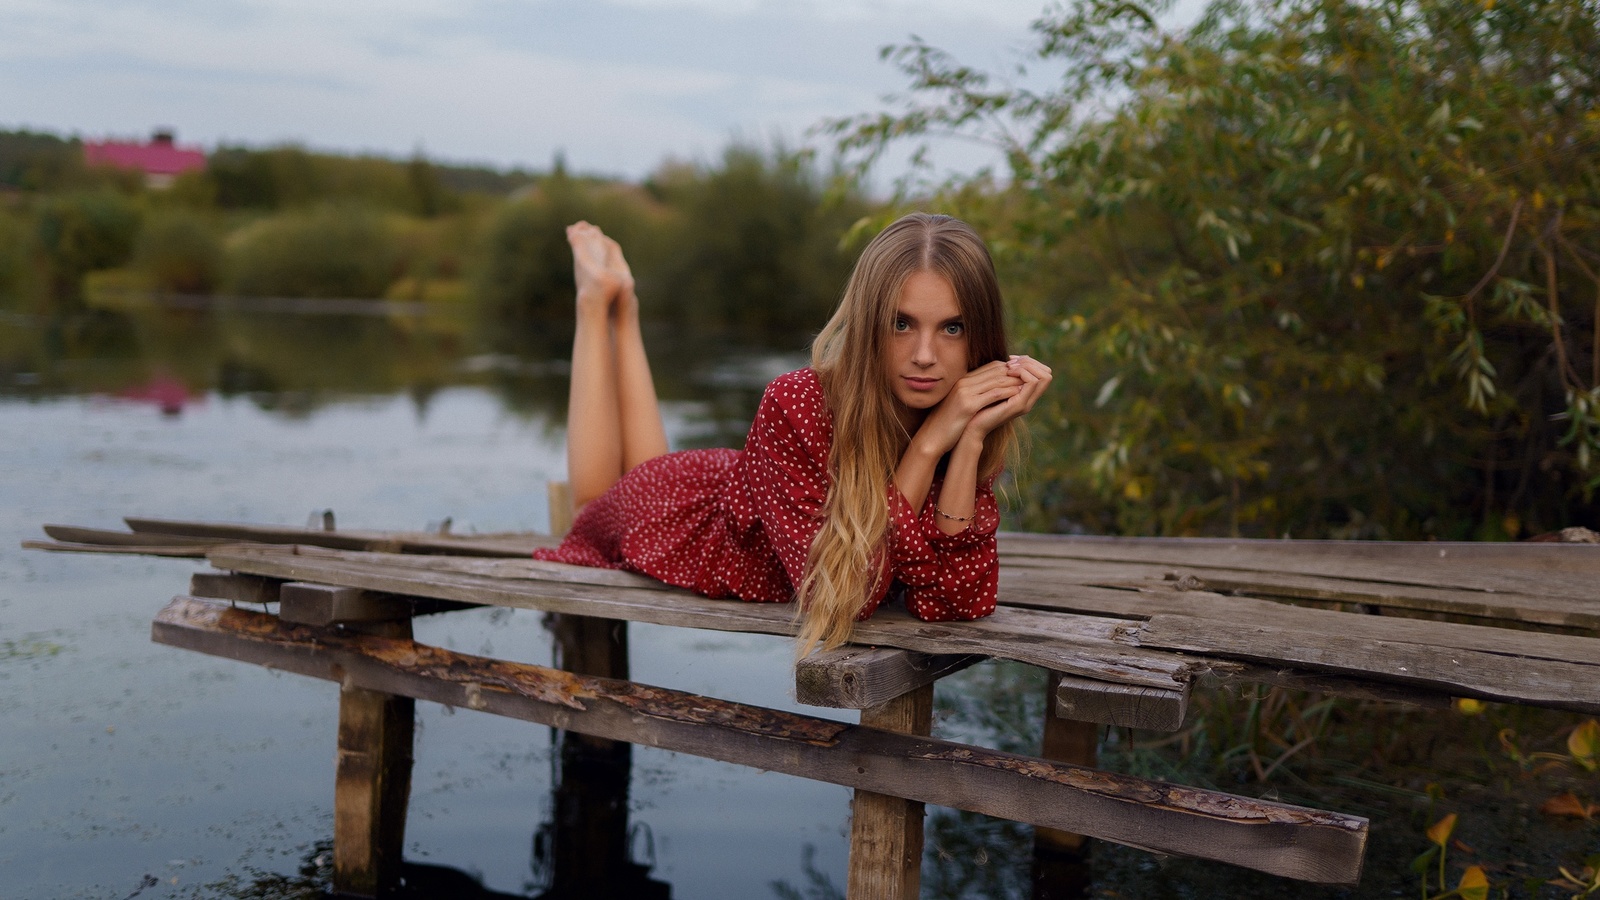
(1128, 629)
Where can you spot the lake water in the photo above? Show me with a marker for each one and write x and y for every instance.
(125, 763)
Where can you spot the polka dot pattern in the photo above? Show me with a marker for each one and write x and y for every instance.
(739, 523)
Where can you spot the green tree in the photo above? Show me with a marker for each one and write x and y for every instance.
(756, 243)
(329, 251)
(81, 232)
(180, 251)
(1311, 267)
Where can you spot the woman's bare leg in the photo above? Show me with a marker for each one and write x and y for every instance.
(643, 435)
(594, 413)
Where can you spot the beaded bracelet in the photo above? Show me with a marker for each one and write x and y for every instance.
(950, 517)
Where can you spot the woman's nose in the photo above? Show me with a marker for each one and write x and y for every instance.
(924, 355)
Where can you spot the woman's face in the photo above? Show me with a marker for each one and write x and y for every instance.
(927, 349)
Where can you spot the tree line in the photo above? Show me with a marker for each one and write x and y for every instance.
(749, 241)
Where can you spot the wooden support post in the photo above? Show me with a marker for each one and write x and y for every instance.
(561, 513)
(886, 831)
(589, 835)
(1061, 858)
(372, 786)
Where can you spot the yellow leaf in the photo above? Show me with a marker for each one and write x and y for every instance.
(1584, 743)
(1440, 832)
(1133, 490)
(1469, 707)
(1474, 884)
(1569, 805)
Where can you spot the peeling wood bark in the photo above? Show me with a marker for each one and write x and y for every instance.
(1284, 840)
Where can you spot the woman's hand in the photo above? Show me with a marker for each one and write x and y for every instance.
(983, 400)
(1035, 377)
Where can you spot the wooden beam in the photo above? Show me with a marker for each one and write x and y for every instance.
(323, 604)
(186, 551)
(858, 677)
(886, 831)
(77, 535)
(1558, 684)
(229, 586)
(1124, 705)
(1290, 841)
(1085, 645)
(512, 546)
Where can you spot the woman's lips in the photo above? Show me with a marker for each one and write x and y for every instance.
(921, 384)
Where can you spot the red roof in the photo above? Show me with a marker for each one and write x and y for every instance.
(158, 157)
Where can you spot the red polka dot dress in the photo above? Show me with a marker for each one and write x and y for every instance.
(739, 523)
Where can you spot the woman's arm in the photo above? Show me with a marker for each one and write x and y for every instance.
(983, 400)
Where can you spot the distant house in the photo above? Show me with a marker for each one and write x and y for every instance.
(160, 159)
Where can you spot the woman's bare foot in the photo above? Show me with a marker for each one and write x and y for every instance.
(627, 303)
(599, 285)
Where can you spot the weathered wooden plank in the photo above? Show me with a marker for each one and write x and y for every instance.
(186, 551)
(76, 535)
(219, 585)
(1127, 706)
(347, 539)
(1542, 610)
(1569, 570)
(1576, 558)
(1078, 644)
(1167, 598)
(886, 831)
(1284, 840)
(1489, 676)
(860, 677)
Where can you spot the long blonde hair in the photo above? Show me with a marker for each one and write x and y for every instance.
(846, 561)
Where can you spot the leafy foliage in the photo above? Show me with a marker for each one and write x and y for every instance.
(325, 252)
(1310, 268)
(756, 245)
(180, 252)
(83, 231)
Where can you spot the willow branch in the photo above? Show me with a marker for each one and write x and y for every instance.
(1577, 258)
(1505, 247)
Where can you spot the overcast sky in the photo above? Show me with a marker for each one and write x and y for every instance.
(618, 85)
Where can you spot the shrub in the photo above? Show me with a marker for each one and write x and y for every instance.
(179, 251)
(325, 252)
(81, 232)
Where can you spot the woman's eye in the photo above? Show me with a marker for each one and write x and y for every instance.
(954, 328)
(902, 325)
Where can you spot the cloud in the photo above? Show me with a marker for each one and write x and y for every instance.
(618, 85)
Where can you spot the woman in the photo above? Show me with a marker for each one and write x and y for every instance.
(873, 467)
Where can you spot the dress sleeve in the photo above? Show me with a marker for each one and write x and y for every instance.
(787, 468)
(947, 576)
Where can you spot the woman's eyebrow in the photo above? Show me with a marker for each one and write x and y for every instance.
(901, 314)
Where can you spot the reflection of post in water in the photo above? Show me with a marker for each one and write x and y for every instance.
(1060, 858)
(584, 850)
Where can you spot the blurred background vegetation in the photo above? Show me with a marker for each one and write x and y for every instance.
(1308, 268)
